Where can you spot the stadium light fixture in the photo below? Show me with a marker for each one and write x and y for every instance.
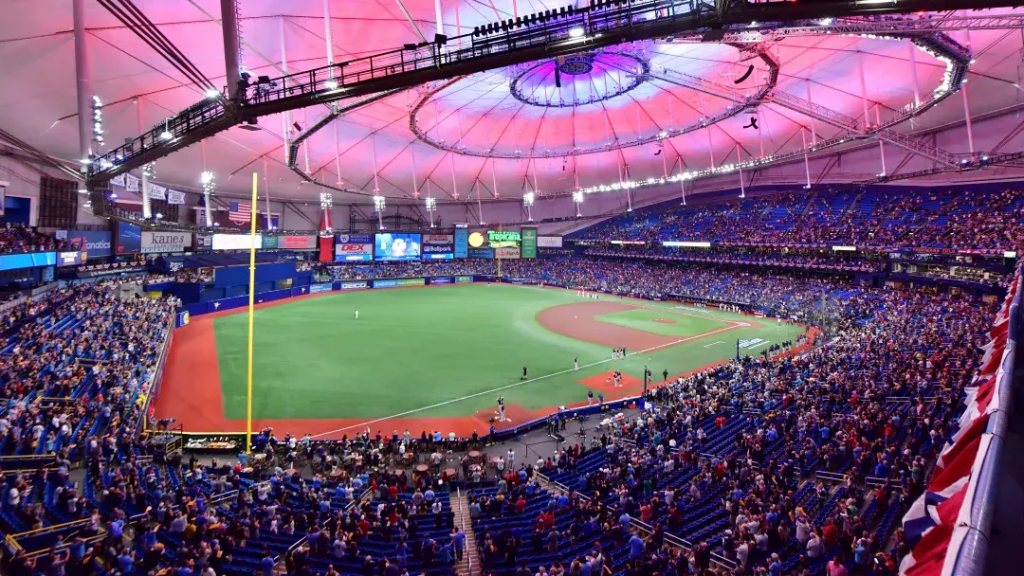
(213, 93)
(331, 84)
(166, 134)
(379, 203)
(576, 32)
(528, 198)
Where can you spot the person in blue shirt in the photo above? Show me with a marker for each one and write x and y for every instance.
(126, 561)
(458, 543)
(266, 563)
(624, 521)
(636, 547)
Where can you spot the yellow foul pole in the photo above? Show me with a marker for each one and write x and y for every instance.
(252, 300)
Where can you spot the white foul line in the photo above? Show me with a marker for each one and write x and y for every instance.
(713, 343)
(517, 384)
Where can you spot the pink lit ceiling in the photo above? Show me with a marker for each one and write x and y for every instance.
(477, 114)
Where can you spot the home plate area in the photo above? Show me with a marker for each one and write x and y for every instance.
(605, 383)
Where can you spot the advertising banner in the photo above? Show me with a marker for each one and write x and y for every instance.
(508, 253)
(236, 241)
(502, 239)
(355, 238)
(463, 279)
(438, 256)
(97, 244)
(443, 280)
(482, 253)
(204, 241)
(399, 283)
(461, 241)
(296, 242)
(71, 258)
(183, 318)
(351, 252)
(354, 285)
(157, 242)
(397, 247)
(320, 288)
(437, 249)
(270, 243)
(438, 239)
(549, 241)
(529, 247)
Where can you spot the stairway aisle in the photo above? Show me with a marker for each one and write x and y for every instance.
(470, 565)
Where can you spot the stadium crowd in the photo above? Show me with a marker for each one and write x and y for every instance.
(738, 460)
(16, 239)
(935, 219)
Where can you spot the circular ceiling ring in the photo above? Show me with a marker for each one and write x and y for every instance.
(587, 67)
(738, 105)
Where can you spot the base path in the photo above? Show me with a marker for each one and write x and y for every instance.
(579, 321)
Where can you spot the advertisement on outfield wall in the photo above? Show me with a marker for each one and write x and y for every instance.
(354, 285)
(97, 244)
(295, 242)
(508, 253)
(236, 241)
(269, 242)
(399, 283)
(444, 280)
(438, 239)
(159, 242)
(463, 279)
(529, 247)
(482, 253)
(320, 288)
(71, 258)
(461, 241)
(353, 252)
(549, 241)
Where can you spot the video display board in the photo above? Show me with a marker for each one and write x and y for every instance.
(397, 247)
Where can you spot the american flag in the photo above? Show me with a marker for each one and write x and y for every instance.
(240, 212)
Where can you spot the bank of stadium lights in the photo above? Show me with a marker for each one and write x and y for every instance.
(212, 93)
(97, 120)
(326, 200)
(166, 134)
(149, 170)
(209, 181)
(528, 199)
(379, 203)
(431, 204)
(632, 184)
(577, 198)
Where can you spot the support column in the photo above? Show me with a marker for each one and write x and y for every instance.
(207, 199)
(479, 203)
(337, 152)
(147, 208)
(329, 38)
(814, 130)
(266, 193)
(682, 188)
(229, 30)
(739, 166)
(286, 118)
(863, 89)
(967, 102)
(881, 143)
(438, 13)
(913, 72)
(83, 73)
(807, 160)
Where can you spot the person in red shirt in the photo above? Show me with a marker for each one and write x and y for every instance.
(520, 505)
(393, 492)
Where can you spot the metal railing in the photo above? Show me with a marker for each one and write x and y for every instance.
(969, 559)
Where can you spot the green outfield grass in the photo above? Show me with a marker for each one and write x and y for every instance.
(414, 348)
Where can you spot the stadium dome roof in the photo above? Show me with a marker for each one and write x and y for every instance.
(630, 111)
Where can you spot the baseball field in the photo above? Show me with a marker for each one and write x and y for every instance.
(436, 358)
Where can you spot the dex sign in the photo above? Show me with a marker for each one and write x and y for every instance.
(156, 242)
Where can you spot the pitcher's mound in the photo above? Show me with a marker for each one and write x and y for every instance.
(664, 320)
(515, 415)
(605, 383)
